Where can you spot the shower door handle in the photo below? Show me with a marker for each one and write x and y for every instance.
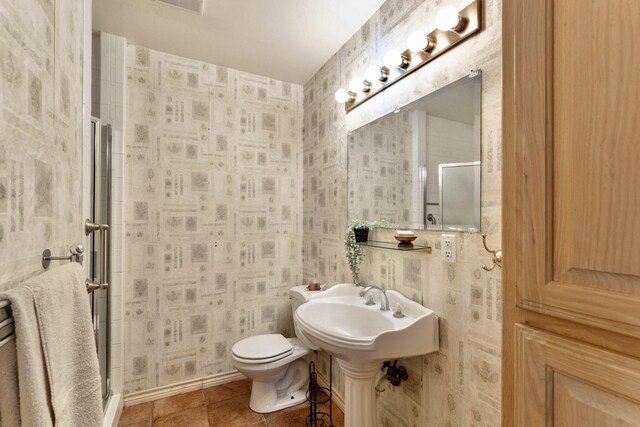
(103, 279)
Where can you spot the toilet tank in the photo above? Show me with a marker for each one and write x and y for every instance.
(298, 296)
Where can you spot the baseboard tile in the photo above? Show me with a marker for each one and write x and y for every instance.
(181, 387)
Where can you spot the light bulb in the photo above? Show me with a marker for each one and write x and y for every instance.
(372, 74)
(448, 19)
(394, 59)
(343, 95)
(419, 41)
(356, 85)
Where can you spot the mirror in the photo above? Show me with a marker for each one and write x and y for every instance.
(419, 166)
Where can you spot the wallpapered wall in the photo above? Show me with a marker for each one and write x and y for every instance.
(41, 62)
(460, 384)
(213, 214)
(382, 167)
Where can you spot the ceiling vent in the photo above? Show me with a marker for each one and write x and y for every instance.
(196, 6)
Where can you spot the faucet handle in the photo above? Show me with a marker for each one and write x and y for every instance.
(398, 311)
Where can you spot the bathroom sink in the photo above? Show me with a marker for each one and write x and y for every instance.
(339, 322)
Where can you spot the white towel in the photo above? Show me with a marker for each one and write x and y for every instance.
(58, 372)
(9, 402)
(35, 407)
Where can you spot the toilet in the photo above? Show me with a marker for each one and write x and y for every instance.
(274, 364)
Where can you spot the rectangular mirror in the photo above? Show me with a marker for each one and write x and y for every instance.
(419, 167)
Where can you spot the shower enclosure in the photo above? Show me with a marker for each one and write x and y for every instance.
(99, 250)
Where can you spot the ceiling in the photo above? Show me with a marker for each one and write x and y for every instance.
(283, 39)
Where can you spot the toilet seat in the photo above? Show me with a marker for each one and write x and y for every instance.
(262, 349)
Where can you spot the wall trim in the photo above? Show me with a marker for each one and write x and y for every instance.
(181, 387)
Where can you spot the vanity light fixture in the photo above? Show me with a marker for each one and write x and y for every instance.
(358, 85)
(375, 73)
(343, 96)
(453, 27)
(449, 19)
(394, 59)
(418, 41)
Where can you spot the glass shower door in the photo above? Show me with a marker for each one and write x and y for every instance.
(101, 214)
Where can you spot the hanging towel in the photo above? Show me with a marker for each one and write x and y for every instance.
(33, 385)
(9, 402)
(58, 372)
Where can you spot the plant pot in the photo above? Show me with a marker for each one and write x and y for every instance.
(361, 234)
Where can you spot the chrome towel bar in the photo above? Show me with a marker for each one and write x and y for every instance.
(77, 251)
(7, 333)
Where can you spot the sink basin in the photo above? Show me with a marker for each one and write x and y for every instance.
(339, 322)
(362, 337)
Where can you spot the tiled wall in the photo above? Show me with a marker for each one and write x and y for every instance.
(460, 384)
(41, 116)
(213, 214)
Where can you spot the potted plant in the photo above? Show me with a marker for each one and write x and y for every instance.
(354, 250)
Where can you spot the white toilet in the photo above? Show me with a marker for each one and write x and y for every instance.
(273, 363)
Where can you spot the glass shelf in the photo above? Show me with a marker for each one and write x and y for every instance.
(394, 246)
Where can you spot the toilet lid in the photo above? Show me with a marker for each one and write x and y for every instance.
(261, 347)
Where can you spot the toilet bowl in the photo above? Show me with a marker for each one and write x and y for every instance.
(274, 364)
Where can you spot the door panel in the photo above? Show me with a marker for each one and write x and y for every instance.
(576, 88)
(571, 212)
(562, 382)
(576, 403)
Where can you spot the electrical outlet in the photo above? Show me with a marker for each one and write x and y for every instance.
(449, 248)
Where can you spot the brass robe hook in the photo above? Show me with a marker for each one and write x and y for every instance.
(497, 255)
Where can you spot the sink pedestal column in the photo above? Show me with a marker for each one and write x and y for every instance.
(360, 394)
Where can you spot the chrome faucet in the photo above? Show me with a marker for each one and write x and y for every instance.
(384, 301)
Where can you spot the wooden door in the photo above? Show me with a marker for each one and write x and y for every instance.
(571, 197)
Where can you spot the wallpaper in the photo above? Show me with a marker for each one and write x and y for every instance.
(460, 384)
(382, 171)
(213, 212)
(41, 62)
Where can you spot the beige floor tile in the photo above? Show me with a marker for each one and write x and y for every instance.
(178, 403)
(192, 417)
(233, 412)
(133, 415)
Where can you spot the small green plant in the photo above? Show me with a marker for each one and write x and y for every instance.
(354, 250)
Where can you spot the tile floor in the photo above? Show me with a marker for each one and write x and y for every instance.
(225, 405)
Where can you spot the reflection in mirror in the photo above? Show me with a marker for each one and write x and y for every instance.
(419, 167)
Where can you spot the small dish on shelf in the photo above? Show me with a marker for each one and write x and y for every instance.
(405, 241)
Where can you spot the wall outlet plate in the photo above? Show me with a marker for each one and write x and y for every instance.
(449, 248)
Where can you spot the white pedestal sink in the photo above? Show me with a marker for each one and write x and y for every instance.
(361, 337)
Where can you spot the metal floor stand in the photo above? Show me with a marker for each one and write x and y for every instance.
(315, 397)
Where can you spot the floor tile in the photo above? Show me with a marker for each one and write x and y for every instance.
(178, 403)
(242, 386)
(233, 412)
(216, 395)
(146, 423)
(289, 417)
(192, 417)
(135, 414)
